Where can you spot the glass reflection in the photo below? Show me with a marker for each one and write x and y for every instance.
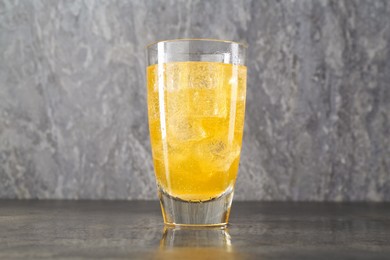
(191, 243)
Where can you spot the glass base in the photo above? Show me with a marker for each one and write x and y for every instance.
(210, 237)
(214, 212)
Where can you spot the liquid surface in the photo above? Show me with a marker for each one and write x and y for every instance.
(196, 120)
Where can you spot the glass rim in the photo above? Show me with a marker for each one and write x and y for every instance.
(244, 45)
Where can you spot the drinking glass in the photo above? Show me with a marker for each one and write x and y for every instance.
(196, 107)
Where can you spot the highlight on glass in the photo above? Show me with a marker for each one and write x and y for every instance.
(196, 107)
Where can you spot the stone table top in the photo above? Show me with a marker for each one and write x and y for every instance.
(134, 230)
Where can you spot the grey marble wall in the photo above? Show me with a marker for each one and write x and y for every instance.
(73, 120)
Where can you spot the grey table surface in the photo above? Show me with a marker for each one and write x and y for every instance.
(134, 230)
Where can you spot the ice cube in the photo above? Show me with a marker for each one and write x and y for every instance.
(206, 76)
(176, 77)
(217, 155)
(183, 128)
(196, 88)
(209, 103)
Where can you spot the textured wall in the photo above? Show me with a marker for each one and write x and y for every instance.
(73, 118)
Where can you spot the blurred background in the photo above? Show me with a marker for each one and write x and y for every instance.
(73, 113)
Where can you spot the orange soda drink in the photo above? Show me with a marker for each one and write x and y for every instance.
(196, 119)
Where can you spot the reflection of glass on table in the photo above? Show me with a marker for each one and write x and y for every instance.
(188, 243)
